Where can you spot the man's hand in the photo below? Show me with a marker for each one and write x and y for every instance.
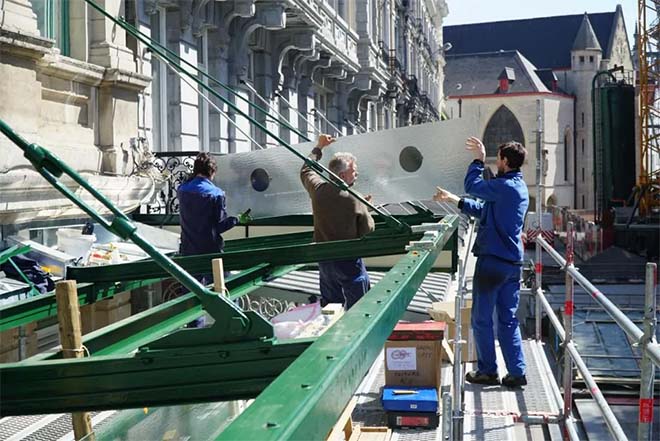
(324, 141)
(442, 195)
(368, 198)
(477, 148)
(245, 218)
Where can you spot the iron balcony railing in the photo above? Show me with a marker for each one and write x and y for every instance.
(176, 166)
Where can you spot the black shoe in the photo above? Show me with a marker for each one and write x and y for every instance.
(514, 382)
(476, 377)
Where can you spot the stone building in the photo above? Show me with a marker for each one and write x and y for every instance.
(512, 64)
(76, 83)
(338, 66)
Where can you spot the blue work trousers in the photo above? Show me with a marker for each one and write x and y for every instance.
(343, 281)
(496, 283)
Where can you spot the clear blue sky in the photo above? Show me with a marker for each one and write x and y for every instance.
(477, 11)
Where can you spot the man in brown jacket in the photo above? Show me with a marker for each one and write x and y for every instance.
(338, 215)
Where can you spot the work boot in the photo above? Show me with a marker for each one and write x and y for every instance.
(476, 377)
(514, 382)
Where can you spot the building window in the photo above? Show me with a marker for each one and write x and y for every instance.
(581, 59)
(582, 117)
(53, 22)
(582, 174)
(502, 127)
(203, 60)
(583, 204)
(159, 85)
(591, 58)
(583, 146)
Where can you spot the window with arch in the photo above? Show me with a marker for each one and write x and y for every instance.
(502, 127)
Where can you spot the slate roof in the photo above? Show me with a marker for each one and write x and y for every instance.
(586, 38)
(545, 41)
(477, 74)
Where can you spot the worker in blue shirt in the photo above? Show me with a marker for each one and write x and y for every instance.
(500, 205)
(202, 210)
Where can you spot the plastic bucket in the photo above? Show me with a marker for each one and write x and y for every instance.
(73, 242)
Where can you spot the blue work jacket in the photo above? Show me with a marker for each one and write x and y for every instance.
(501, 212)
(203, 216)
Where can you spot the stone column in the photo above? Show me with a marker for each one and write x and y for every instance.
(118, 92)
(17, 15)
(108, 41)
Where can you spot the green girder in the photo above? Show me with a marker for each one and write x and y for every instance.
(307, 399)
(275, 250)
(44, 306)
(148, 378)
(139, 330)
(198, 370)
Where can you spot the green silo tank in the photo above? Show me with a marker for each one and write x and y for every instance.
(617, 126)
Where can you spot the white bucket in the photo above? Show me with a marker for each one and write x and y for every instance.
(73, 242)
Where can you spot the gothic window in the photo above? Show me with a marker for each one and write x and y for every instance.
(502, 127)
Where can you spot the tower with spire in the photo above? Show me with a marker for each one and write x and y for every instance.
(586, 58)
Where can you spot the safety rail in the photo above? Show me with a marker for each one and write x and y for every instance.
(645, 339)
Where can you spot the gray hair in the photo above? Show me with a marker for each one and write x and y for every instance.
(340, 162)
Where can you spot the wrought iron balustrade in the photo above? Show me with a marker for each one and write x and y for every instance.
(176, 166)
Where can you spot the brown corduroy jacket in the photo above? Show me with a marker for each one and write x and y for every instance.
(338, 215)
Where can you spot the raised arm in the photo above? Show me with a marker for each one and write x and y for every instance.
(474, 183)
(311, 179)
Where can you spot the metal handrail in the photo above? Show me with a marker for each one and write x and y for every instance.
(457, 399)
(645, 339)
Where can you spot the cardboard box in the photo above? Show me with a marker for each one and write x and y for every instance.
(428, 330)
(414, 362)
(446, 312)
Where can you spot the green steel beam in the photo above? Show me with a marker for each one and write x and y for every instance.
(10, 252)
(310, 252)
(147, 378)
(141, 329)
(231, 323)
(196, 371)
(308, 398)
(45, 306)
(292, 220)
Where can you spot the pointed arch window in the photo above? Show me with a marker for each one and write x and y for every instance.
(502, 127)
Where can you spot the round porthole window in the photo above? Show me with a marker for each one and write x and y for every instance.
(411, 159)
(260, 179)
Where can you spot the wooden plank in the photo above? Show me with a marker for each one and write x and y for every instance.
(362, 433)
(343, 429)
(68, 315)
(218, 276)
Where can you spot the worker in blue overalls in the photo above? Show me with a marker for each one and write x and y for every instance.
(202, 215)
(202, 210)
(500, 204)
